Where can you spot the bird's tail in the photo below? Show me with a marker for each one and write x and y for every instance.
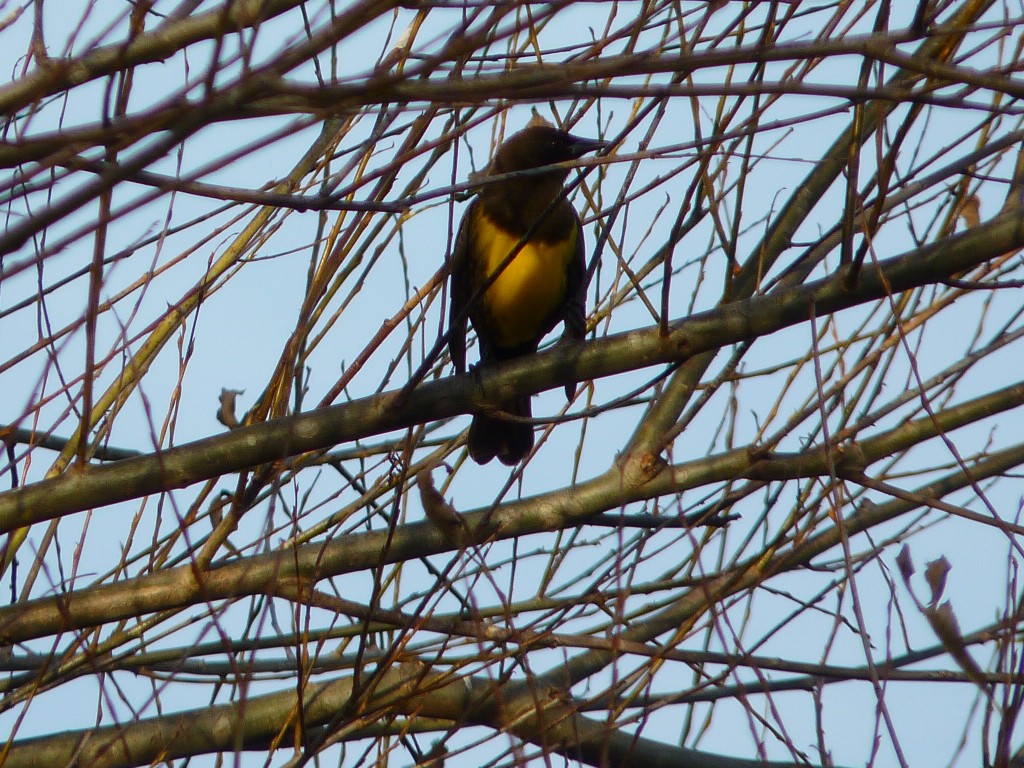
(493, 436)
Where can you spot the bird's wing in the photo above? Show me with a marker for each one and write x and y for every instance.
(575, 313)
(460, 271)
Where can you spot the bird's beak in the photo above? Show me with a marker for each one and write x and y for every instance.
(579, 146)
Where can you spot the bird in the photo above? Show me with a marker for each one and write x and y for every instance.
(543, 284)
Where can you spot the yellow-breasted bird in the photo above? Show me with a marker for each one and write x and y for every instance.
(542, 284)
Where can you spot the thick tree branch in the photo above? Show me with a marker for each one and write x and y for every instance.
(279, 439)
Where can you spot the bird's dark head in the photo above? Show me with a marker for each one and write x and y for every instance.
(541, 145)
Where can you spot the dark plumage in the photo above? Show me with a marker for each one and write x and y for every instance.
(541, 286)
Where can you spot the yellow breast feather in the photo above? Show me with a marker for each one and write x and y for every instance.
(528, 289)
